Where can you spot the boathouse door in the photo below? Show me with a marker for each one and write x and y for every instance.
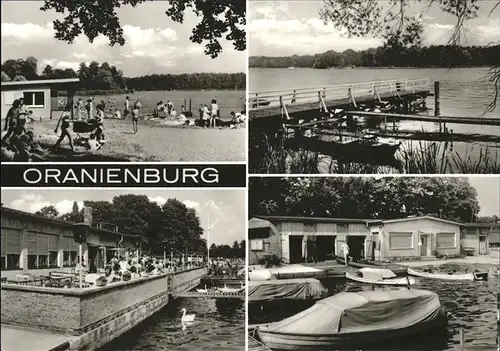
(482, 245)
(325, 247)
(356, 247)
(424, 245)
(295, 242)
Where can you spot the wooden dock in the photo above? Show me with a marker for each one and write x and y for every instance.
(212, 294)
(254, 345)
(293, 102)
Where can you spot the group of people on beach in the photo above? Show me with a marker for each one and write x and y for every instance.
(16, 138)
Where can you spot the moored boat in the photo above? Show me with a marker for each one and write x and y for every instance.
(449, 275)
(398, 270)
(355, 319)
(377, 276)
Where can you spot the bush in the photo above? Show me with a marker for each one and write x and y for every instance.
(126, 276)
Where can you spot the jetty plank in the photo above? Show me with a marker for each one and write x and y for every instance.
(212, 294)
(436, 119)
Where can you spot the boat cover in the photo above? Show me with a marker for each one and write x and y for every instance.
(302, 289)
(364, 311)
(377, 273)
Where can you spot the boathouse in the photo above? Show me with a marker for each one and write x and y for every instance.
(476, 238)
(35, 243)
(299, 239)
(38, 94)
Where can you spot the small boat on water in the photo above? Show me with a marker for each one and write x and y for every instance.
(365, 146)
(398, 270)
(449, 275)
(377, 276)
(351, 320)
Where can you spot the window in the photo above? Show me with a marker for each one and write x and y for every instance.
(445, 240)
(257, 245)
(52, 258)
(74, 257)
(34, 98)
(12, 261)
(400, 240)
(375, 241)
(3, 263)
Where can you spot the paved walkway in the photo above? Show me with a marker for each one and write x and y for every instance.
(21, 339)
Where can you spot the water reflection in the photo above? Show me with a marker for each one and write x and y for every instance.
(217, 326)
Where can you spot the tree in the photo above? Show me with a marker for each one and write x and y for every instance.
(386, 198)
(371, 17)
(48, 211)
(5, 77)
(218, 18)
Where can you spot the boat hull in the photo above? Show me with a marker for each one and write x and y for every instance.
(391, 281)
(305, 342)
(466, 276)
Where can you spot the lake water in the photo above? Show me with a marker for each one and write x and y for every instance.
(472, 306)
(464, 93)
(219, 325)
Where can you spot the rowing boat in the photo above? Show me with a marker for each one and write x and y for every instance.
(396, 269)
(449, 276)
(373, 278)
(352, 320)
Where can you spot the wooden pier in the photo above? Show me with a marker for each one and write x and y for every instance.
(212, 294)
(254, 345)
(294, 102)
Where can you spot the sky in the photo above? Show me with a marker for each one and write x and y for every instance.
(488, 190)
(225, 209)
(154, 43)
(285, 28)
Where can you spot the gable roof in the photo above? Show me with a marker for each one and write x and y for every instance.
(316, 219)
(422, 217)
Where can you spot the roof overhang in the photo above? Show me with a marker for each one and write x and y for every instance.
(52, 83)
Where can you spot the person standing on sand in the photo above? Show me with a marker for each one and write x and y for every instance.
(127, 108)
(64, 122)
(135, 115)
(88, 107)
(214, 113)
(11, 120)
(22, 116)
(206, 116)
(79, 109)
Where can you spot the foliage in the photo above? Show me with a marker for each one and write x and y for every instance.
(91, 18)
(48, 211)
(488, 219)
(101, 78)
(172, 226)
(237, 250)
(384, 198)
(392, 54)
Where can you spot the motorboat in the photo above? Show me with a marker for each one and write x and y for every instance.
(353, 320)
(379, 276)
(396, 269)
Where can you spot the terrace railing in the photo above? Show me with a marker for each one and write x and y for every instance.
(273, 98)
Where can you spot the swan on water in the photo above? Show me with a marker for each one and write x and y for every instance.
(202, 290)
(301, 121)
(338, 110)
(186, 317)
(230, 290)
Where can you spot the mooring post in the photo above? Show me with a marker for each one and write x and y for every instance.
(436, 99)
(281, 106)
(257, 99)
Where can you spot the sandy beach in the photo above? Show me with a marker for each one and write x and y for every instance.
(153, 142)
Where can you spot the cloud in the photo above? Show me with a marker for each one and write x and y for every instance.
(30, 202)
(160, 200)
(191, 204)
(27, 32)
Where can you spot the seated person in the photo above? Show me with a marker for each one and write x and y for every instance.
(117, 114)
(237, 117)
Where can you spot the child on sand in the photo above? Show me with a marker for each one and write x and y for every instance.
(127, 108)
(135, 115)
(214, 113)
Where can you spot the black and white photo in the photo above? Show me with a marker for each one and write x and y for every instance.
(374, 87)
(363, 263)
(123, 81)
(106, 269)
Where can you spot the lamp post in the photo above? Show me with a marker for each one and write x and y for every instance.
(80, 233)
(209, 227)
